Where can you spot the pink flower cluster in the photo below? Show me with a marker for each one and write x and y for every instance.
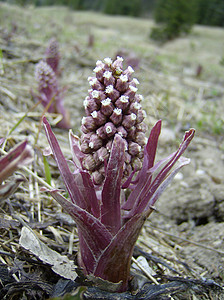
(49, 92)
(112, 107)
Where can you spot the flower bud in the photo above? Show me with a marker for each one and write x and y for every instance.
(116, 116)
(98, 177)
(138, 98)
(90, 105)
(123, 133)
(133, 148)
(102, 154)
(134, 82)
(131, 91)
(122, 83)
(127, 169)
(140, 116)
(96, 159)
(99, 70)
(142, 127)
(136, 163)
(141, 138)
(97, 96)
(86, 137)
(141, 154)
(98, 117)
(129, 71)
(131, 133)
(95, 142)
(129, 120)
(134, 107)
(107, 107)
(85, 147)
(46, 79)
(109, 129)
(127, 157)
(112, 93)
(95, 84)
(101, 132)
(84, 129)
(89, 123)
(118, 65)
(113, 106)
(108, 62)
(108, 78)
(88, 162)
(122, 102)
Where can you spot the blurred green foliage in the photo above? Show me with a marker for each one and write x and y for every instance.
(174, 17)
(124, 7)
(205, 12)
(210, 12)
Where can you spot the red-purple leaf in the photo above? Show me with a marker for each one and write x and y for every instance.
(145, 194)
(86, 187)
(110, 209)
(114, 262)
(10, 187)
(183, 161)
(20, 155)
(149, 156)
(77, 155)
(66, 174)
(94, 233)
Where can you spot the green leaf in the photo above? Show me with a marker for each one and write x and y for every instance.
(47, 170)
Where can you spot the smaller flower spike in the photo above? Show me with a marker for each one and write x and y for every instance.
(49, 93)
(52, 55)
(113, 106)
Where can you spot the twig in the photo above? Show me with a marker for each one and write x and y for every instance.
(145, 271)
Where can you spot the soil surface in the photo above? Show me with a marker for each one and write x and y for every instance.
(187, 227)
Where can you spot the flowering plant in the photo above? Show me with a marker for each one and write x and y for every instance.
(49, 93)
(113, 156)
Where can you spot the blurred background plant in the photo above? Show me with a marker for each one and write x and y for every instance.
(173, 17)
(49, 93)
(206, 12)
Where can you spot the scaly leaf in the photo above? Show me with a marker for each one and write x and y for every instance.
(114, 262)
(145, 195)
(144, 178)
(94, 233)
(66, 174)
(110, 209)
